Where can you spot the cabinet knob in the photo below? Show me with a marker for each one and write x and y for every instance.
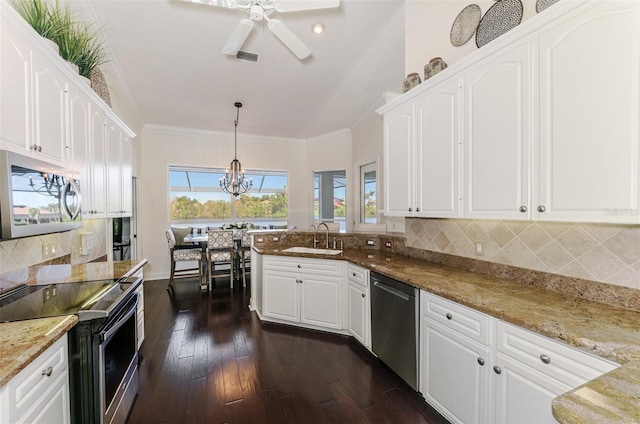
(33, 147)
(448, 315)
(299, 266)
(47, 372)
(497, 369)
(417, 209)
(541, 208)
(363, 295)
(301, 281)
(353, 273)
(523, 208)
(481, 361)
(545, 359)
(410, 209)
(39, 148)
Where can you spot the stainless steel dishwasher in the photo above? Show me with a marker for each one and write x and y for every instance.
(394, 330)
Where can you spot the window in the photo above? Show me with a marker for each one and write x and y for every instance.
(195, 196)
(368, 194)
(329, 197)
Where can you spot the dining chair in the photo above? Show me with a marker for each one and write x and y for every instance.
(219, 253)
(245, 255)
(183, 254)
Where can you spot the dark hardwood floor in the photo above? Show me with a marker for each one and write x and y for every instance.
(208, 359)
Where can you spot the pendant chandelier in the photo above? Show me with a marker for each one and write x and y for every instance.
(233, 181)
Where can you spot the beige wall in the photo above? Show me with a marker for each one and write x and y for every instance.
(163, 146)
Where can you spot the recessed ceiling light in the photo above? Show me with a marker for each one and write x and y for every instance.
(317, 28)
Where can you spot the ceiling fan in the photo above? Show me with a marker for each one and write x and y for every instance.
(262, 9)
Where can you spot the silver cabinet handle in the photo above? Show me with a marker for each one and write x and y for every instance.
(363, 295)
(497, 369)
(481, 361)
(523, 208)
(545, 359)
(47, 372)
(541, 208)
(449, 316)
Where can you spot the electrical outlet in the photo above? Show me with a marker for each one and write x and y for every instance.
(260, 240)
(479, 248)
(387, 244)
(46, 294)
(275, 239)
(48, 250)
(370, 243)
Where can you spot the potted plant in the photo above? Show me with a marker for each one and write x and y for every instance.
(38, 14)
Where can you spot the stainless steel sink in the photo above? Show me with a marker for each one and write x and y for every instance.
(312, 250)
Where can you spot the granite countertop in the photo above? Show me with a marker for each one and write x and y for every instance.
(22, 341)
(609, 332)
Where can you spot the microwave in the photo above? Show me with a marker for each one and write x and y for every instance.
(36, 198)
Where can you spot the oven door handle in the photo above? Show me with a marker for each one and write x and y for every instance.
(110, 330)
(391, 290)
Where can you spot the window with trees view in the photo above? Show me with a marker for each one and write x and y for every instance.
(195, 196)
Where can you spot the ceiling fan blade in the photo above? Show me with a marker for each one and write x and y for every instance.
(238, 37)
(298, 5)
(289, 39)
(229, 4)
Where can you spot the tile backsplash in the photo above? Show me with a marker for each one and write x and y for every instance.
(599, 252)
(24, 252)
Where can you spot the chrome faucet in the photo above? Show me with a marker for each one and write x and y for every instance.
(315, 236)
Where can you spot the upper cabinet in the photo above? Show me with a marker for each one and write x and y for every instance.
(590, 115)
(32, 98)
(421, 150)
(550, 118)
(118, 171)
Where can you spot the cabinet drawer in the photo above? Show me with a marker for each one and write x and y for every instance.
(32, 382)
(562, 362)
(358, 275)
(307, 266)
(465, 321)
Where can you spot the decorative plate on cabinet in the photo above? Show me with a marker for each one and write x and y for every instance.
(503, 16)
(465, 25)
(543, 4)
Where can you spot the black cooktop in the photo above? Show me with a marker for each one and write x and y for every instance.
(87, 299)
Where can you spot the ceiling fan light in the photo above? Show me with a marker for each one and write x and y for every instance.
(317, 28)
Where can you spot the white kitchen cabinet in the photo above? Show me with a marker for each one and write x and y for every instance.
(359, 304)
(421, 151)
(475, 368)
(118, 171)
(79, 137)
(590, 116)
(498, 132)
(40, 392)
(306, 291)
(140, 312)
(33, 94)
(94, 187)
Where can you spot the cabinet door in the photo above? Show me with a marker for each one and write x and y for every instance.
(523, 395)
(53, 406)
(280, 295)
(49, 97)
(126, 175)
(437, 151)
(589, 116)
(15, 103)
(114, 171)
(454, 374)
(398, 161)
(97, 207)
(320, 304)
(498, 135)
(79, 135)
(358, 313)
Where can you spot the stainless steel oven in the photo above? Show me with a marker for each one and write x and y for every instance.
(103, 353)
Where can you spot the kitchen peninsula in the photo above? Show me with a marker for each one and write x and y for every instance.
(607, 331)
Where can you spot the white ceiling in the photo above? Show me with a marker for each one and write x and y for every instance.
(169, 54)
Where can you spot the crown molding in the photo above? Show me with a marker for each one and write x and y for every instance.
(200, 133)
(345, 132)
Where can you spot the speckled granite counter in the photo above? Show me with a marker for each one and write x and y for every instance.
(21, 342)
(607, 331)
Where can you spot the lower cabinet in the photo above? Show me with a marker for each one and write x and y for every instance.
(476, 369)
(306, 291)
(140, 314)
(359, 304)
(40, 392)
